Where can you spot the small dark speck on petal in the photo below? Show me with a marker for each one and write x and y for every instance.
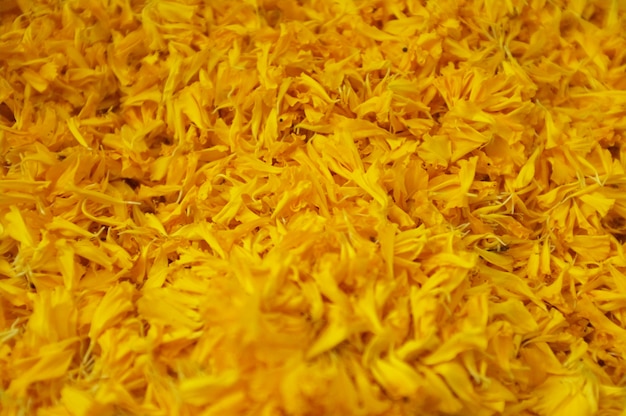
(133, 183)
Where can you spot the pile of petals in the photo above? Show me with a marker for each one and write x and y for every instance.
(312, 207)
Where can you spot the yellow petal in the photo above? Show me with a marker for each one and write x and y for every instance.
(115, 304)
